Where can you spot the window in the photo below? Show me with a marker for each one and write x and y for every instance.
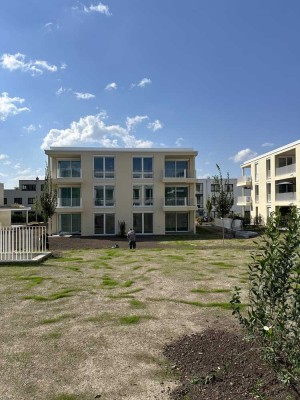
(18, 200)
(104, 224)
(69, 197)
(214, 187)
(142, 167)
(177, 168)
(268, 192)
(199, 188)
(104, 167)
(143, 222)
(69, 223)
(256, 193)
(229, 187)
(30, 200)
(286, 187)
(69, 169)
(256, 171)
(104, 196)
(177, 222)
(28, 187)
(5, 200)
(42, 187)
(199, 198)
(284, 161)
(268, 168)
(142, 195)
(176, 196)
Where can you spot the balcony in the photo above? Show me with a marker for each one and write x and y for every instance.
(187, 176)
(244, 201)
(288, 169)
(244, 181)
(179, 204)
(107, 174)
(104, 203)
(68, 202)
(286, 197)
(139, 202)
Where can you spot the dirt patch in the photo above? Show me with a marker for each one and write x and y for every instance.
(218, 364)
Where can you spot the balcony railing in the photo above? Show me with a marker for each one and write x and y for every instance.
(104, 203)
(182, 201)
(179, 174)
(244, 200)
(107, 174)
(288, 196)
(142, 174)
(142, 202)
(244, 181)
(288, 169)
(68, 202)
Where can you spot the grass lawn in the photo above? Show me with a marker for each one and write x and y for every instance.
(93, 323)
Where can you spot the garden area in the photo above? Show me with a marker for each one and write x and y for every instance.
(112, 323)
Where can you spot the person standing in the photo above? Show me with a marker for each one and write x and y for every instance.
(132, 238)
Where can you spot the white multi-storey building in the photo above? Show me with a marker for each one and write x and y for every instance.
(272, 178)
(25, 194)
(151, 190)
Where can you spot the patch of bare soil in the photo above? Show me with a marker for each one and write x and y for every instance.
(222, 365)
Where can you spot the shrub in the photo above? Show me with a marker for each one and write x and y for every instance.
(273, 315)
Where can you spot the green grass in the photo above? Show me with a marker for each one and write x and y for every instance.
(137, 303)
(59, 318)
(109, 282)
(210, 291)
(32, 280)
(128, 283)
(133, 319)
(68, 259)
(53, 296)
(223, 265)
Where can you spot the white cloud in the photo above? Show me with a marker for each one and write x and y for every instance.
(179, 142)
(132, 122)
(267, 144)
(17, 61)
(144, 82)
(243, 155)
(3, 156)
(8, 106)
(84, 96)
(3, 175)
(111, 86)
(17, 166)
(92, 129)
(154, 126)
(32, 128)
(100, 8)
(63, 66)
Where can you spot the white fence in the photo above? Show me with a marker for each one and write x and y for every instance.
(22, 243)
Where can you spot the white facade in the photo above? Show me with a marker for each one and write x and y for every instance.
(151, 190)
(273, 179)
(205, 190)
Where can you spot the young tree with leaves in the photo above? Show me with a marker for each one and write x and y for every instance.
(48, 199)
(222, 196)
(208, 206)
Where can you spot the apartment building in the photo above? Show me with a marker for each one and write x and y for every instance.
(206, 188)
(25, 193)
(151, 190)
(272, 180)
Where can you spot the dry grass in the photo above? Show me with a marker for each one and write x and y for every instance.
(94, 322)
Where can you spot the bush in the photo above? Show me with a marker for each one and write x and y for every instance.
(273, 315)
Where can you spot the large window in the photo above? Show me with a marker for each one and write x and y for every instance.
(104, 196)
(284, 161)
(69, 197)
(27, 187)
(177, 169)
(177, 222)
(142, 195)
(18, 200)
(142, 167)
(104, 167)
(69, 223)
(176, 196)
(30, 200)
(69, 169)
(214, 187)
(143, 222)
(104, 224)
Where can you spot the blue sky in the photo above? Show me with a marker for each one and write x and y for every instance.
(219, 76)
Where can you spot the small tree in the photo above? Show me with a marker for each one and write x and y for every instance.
(222, 196)
(208, 206)
(36, 207)
(273, 315)
(48, 199)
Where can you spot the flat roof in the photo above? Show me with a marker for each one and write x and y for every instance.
(279, 149)
(121, 150)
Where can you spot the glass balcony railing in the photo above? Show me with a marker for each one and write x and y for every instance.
(68, 202)
(179, 201)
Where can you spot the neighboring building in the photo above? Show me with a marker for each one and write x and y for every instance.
(272, 178)
(25, 193)
(151, 190)
(205, 188)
